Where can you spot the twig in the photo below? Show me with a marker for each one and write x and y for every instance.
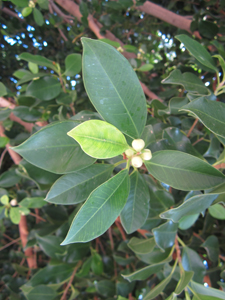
(37, 217)
(62, 35)
(220, 166)
(11, 13)
(199, 140)
(177, 249)
(71, 280)
(192, 127)
(111, 238)
(117, 222)
(2, 157)
(10, 243)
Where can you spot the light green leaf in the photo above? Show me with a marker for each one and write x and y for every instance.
(113, 87)
(46, 88)
(210, 113)
(165, 234)
(33, 67)
(208, 291)
(34, 202)
(145, 68)
(186, 277)
(52, 150)
(14, 214)
(211, 245)
(73, 64)
(183, 171)
(39, 60)
(99, 139)
(100, 210)
(192, 206)
(3, 141)
(29, 77)
(189, 81)
(135, 211)
(76, 187)
(3, 90)
(198, 51)
(144, 273)
(26, 11)
(191, 261)
(217, 211)
(141, 246)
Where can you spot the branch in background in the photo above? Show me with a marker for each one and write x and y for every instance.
(148, 93)
(11, 13)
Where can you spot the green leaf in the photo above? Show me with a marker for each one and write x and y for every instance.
(192, 206)
(145, 68)
(29, 77)
(112, 43)
(14, 214)
(185, 278)
(34, 202)
(99, 139)
(76, 187)
(27, 114)
(183, 171)
(73, 64)
(9, 178)
(198, 51)
(3, 141)
(120, 102)
(96, 263)
(100, 210)
(187, 221)
(33, 67)
(52, 150)
(148, 135)
(222, 64)
(50, 245)
(106, 288)
(39, 60)
(165, 235)
(26, 11)
(144, 273)
(38, 17)
(159, 288)
(135, 211)
(46, 88)
(208, 29)
(156, 256)
(140, 246)
(191, 261)
(211, 245)
(208, 291)
(3, 90)
(5, 200)
(189, 81)
(217, 211)
(41, 292)
(210, 113)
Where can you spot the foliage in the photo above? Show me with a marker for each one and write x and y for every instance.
(123, 195)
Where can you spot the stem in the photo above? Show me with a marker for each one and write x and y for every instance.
(119, 163)
(192, 127)
(180, 241)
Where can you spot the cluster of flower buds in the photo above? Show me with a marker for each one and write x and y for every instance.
(138, 153)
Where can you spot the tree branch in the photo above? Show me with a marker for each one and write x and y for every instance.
(11, 13)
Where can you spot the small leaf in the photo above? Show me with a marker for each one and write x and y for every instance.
(3, 90)
(191, 261)
(33, 67)
(38, 17)
(145, 68)
(14, 214)
(26, 11)
(183, 171)
(144, 273)
(140, 246)
(211, 114)
(99, 139)
(5, 200)
(165, 235)
(198, 51)
(50, 245)
(39, 60)
(135, 211)
(186, 277)
(73, 64)
(211, 245)
(34, 202)
(3, 141)
(96, 263)
(100, 210)
(217, 211)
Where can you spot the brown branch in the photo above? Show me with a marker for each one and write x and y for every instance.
(192, 127)
(10, 243)
(11, 13)
(220, 166)
(63, 35)
(149, 93)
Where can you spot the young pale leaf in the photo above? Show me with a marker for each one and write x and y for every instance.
(52, 150)
(165, 234)
(183, 171)
(113, 87)
(192, 206)
(135, 212)
(144, 273)
(140, 246)
(76, 187)
(99, 139)
(198, 51)
(191, 261)
(100, 210)
(210, 113)
(185, 278)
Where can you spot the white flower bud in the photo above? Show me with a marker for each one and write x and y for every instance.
(129, 153)
(138, 145)
(147, 154)
(136, 162)
(13, 202)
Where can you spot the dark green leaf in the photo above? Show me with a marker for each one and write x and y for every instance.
(52, 150)
(96, 263)
(39, 60)
(135, 211)
(50, 245)
(144, 273)
(211, 245)
(217, 211)
(141, 246)
(100, 210)
(186, 276)
(120, 102)
(41, 292)
(191, 261)
(38, 17)
(106, 288)
(207, 291)
(35, 202)
(207, 29)
(76, 187)
(165, 234)
(9, 178)
(27, 114)
(73, 64)
(183, 171)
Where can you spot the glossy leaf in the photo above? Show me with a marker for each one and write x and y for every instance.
(189, 81)
(210, 113)
(135, 211)
(211, 245)
(141, 246)
(165, 234)
(185, 278)
(187, 221)
(99, 139)
(207, 291)
(198, 51)
(38, 59)
(120, 102)
(100, 210)
(27, 114)
(73, 64)
(217, 211)
(183, 171)
(156, 256)
(191, 261)
(46, 88)
(52, 150)
(144, 273)
(76, 187)
(196, 204)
